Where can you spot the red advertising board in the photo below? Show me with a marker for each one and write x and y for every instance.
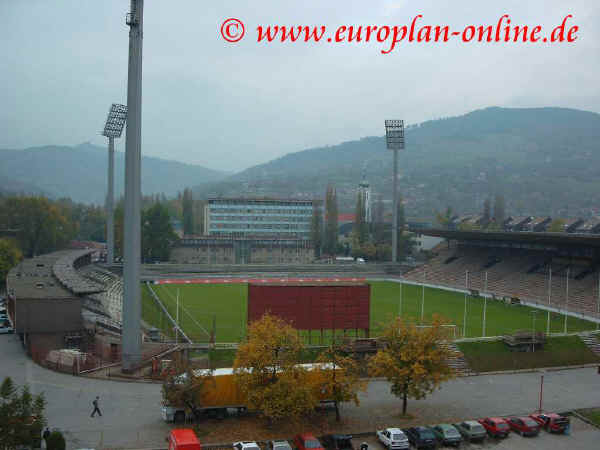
(342, 306)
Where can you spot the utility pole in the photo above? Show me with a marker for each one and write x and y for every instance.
(465, 315)
(567, 301)
(423, 295)
(131, 337)
(400, 301)
(177, 318)
(485, 302)
(549, 297)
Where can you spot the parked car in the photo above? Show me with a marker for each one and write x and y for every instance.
(495, 426)
(183, 439)
(552, 422)
(248, 445)
(471, 430)
(337, 441)
(279, 445)
(307, 441)
(525, 426)
(393, 438)
(446, 434)
(421, 437)
(7, 330)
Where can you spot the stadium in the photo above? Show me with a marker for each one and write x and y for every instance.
(485, 284)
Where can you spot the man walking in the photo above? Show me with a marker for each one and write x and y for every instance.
(96, 409)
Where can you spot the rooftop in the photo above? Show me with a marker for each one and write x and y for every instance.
(49, 276)
(259, 200)
(33, 278)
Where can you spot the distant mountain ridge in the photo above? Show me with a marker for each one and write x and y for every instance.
(79, 172)
(544, 160)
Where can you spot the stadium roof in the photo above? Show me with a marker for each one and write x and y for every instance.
(556, 239)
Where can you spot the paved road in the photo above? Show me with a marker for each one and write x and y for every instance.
(131, 410)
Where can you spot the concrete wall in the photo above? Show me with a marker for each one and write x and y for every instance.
(48, 315)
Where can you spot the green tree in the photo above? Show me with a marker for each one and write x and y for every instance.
(42, 226)
(487, 215)
(119, 221)
(331, 222)
(10, 255)
(56, 441)
(361, 228)
(412, 360)
(316, 229)
(198, 217)
(445, 218)
(499, 211)
(21, 416)
(188, 212)
(378, 221)
(157, 233)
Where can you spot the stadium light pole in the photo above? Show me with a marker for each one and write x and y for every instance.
(465, 315)
(113, 128)
(394, 138)
(567, 301)
(132, 342)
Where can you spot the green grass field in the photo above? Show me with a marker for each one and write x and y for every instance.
(558, 351)
(227, 304)
(592, 414)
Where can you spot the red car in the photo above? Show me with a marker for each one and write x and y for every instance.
(307, 441)
(552, 422)
(495, 426)
(525, 426)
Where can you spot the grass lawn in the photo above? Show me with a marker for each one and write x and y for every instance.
(228, 304)
(592, 414)
(199, 306)
(558, 351)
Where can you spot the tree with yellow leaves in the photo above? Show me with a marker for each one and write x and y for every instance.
(267, 371)
(339, 377)
(412, 359)
(182, 385)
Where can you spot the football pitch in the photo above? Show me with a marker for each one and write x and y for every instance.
(223, 307)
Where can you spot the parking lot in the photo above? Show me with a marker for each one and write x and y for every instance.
(583, 436)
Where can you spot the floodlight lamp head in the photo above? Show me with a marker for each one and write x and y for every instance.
(394, 134)
(117, 116)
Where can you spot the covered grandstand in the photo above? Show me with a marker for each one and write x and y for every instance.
(555, 270)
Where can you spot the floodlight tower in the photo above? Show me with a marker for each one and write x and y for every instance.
(394, 138)
(132, 339)
(117, 115)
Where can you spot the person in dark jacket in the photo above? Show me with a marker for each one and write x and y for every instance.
(96, 409)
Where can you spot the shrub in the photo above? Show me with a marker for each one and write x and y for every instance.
(56, 441)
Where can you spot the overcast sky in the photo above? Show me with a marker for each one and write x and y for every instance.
(230, 106)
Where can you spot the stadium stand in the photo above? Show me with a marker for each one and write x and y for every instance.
(109, 302)
(518, 266)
